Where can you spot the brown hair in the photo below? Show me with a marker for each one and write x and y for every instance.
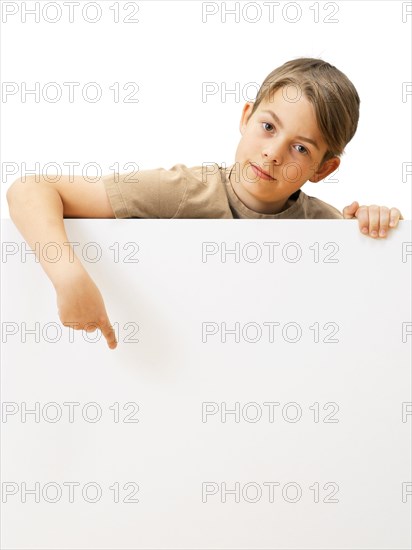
(332, 94)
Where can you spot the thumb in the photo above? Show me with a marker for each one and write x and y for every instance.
(349, 211)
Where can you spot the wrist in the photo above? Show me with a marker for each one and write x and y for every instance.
(72, 274)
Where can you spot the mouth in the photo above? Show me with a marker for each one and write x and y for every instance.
(261, 174)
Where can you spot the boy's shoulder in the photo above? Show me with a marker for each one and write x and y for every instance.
(178, 192)
(314, 208)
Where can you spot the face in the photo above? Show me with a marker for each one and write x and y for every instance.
(281, 139)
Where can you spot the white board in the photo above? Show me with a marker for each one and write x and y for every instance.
(316, 450)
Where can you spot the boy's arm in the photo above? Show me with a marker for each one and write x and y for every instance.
(373, 220)
(37, 208)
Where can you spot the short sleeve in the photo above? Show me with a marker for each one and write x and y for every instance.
(156, 193)
(316, 209)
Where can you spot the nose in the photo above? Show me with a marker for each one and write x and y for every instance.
(273, 151)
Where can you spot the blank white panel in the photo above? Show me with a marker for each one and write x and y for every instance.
(306, 418)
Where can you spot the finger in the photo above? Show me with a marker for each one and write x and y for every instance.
(384, 221)
(349, 211)
(374, 220)
(109, 334)
(363, 219)
(395, 216)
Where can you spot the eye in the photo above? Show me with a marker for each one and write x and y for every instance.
(268, 124)
(302, 149)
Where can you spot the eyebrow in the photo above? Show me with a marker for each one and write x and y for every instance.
(279, 123)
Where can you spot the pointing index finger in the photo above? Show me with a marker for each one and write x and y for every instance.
(108, 332)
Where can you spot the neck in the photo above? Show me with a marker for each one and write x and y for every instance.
(252, 203)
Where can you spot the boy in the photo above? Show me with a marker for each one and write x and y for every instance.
(305, 113)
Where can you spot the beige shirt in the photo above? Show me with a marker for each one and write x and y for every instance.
(197, 192)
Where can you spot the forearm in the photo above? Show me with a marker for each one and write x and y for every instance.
(36, 208)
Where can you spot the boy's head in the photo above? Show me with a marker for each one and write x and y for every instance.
(312, 109)
(333, 96)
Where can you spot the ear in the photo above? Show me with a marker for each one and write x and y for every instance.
(327, 168)
(246, 112)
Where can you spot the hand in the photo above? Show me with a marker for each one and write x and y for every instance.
(81, 307)
(375, 220)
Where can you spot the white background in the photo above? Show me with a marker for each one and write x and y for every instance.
(170, 53)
